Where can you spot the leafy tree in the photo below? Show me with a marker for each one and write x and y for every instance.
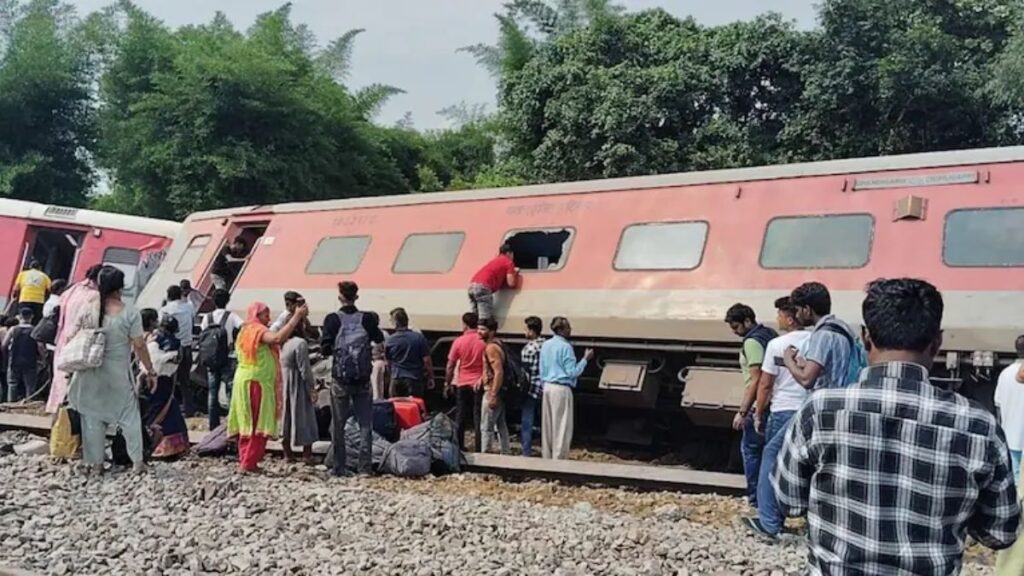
(46, 117)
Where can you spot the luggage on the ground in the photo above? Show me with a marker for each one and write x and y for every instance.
(384, 421)
(213, 343)
(409, 458)
(408, 412)
(215, 443)
(66, 434)
(353, 441)
(439, 432)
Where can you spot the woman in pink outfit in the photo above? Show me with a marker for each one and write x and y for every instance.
(82, 298)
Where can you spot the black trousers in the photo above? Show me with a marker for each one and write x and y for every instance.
(346, 400)
(183, 391)
(468, 402)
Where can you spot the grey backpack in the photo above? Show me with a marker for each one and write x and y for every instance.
(352, 359)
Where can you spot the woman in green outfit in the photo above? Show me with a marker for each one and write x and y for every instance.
(256, 396)
(105, 396)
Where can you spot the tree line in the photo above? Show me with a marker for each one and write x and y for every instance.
(177, 120)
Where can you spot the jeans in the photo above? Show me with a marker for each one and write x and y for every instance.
(767, 504)
(529, 415)
(21, 383)
(214, 379)
(750, 448)
(1015, 457)
(481, 301)
(492, 418)
(346, 400)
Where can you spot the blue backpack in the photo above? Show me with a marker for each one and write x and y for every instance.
(858, 354)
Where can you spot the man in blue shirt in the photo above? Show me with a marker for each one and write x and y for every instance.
(825, 358)
(408, 353)
(559, 371)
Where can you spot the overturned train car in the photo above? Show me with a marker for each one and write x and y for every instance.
(646, 267)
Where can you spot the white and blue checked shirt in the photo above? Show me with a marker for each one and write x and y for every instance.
(531, 365)
(893, 473)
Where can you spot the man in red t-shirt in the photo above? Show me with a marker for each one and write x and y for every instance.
(466, 357)
(501, 272)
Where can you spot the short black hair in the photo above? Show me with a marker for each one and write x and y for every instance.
(470, 320)
(34, 265)
(173, 293)
(221, 298)
(740, 313)
(185, 284)
(26, 314)
(559, 324)
(902, 314)
(813, 295)
(489, 323)
(58, 286)
(535, 324)
(169, 324)
(505, 248)
(1019, 345)
(401, 317)
(150, 319)
(349, 290)
(292, 297)
(785, 304)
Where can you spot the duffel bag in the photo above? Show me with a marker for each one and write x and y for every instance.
(407, 458)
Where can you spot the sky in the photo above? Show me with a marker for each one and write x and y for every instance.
(412, 44)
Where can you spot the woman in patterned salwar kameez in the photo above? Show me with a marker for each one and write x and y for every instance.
(256, 397)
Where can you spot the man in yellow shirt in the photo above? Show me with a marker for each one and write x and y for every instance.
(31, 288)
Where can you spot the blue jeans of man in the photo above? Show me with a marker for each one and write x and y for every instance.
(529, 416)
(751, 446)
(1015, 458)
(768, 511)
(214, 379)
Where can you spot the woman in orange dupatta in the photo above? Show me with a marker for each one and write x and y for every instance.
(256, 397)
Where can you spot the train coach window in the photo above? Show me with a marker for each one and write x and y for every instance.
(338, 255)
(194, 251)
(805, 242)
(662, 246)
(984, 237)
(428, 253)
(543, 249)
(124, 259)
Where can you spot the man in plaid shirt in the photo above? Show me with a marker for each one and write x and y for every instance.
(531, 366)
(893, 472)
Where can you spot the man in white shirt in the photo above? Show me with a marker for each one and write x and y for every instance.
(185, 313)
(221, 376)
(56, 289)
(780, 389)
(1010, 403)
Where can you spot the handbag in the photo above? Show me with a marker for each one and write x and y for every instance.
(46, 331)
(65, 437)
(84, 351)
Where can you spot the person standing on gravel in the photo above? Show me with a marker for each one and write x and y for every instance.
(755, 336)
(894, 472)
(530, 357)
(462, 379)
(785, 395)
(559, 370)
(1009, 400)
(347, 337)
(493, 408)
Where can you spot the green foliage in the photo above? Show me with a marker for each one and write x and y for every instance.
(46, 120)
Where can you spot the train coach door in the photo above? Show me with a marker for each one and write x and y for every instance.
(251, 233)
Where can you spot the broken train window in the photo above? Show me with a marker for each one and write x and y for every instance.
(540, 249)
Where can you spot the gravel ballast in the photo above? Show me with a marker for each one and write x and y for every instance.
(200, 516)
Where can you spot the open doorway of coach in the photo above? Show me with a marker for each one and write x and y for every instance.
(55, 249)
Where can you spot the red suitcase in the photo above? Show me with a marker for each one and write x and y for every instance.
(408, 411)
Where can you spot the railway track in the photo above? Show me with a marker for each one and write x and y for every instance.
(638, 476)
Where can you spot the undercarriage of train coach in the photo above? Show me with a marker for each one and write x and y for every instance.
(670, 403)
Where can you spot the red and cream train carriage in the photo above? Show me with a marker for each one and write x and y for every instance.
(646, 267)
(68, 241)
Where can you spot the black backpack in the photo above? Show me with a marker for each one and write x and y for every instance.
(213, 343)
(515, 379)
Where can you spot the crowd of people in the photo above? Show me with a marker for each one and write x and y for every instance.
(892, 471)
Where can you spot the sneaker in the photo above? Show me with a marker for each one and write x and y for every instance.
(754, 525)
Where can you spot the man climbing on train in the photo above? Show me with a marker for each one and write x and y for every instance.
(743, 323)
(500, 272)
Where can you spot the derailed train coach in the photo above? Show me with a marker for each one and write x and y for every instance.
(68, 241)
(646, 267)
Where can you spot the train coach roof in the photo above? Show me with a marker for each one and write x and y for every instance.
(81, 217)
(776, 172)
